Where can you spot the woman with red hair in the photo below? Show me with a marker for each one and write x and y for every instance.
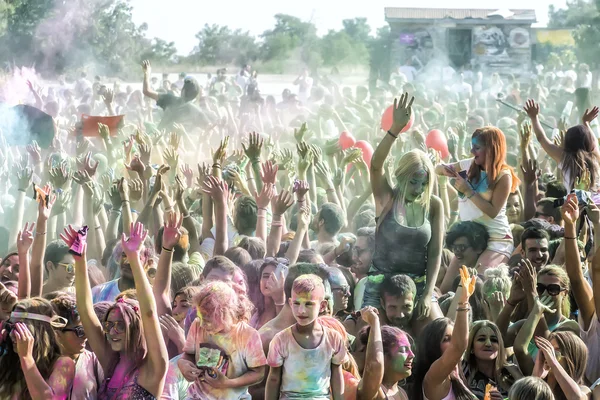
(484, 183)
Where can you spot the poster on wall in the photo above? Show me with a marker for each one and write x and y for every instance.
(501, 46)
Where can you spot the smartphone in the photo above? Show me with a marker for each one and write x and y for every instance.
(281, 268)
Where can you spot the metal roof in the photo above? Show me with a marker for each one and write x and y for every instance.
(458, 13)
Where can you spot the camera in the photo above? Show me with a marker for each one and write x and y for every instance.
(584, 198)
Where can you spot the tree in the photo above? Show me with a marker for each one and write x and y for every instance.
(583, 16)
(357, 29)
(339, 48)
(161, 52)
(289, 33)
(219, 45)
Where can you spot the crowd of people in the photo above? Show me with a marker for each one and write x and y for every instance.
(222, 245)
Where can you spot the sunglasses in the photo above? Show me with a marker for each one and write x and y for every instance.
(344, 289)
(277, 260)
(552, 289)
(69, 267)
(459, 248)
(119, 326)
(79, 332)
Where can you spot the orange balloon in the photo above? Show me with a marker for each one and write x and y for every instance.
(367, 151)
(346, 140)
(437, 140)
(387, 119)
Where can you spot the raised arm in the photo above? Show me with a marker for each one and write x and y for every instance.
(162, 281)
(219, 192)
(533, 110)
(370, 384)
(434, 256)
(579, 286)
(499, 195)
(39, 245)
(153, 372)
(24, 241)
(147, 89)
(281, 204)
(381, 188)
(83, 296)
(436, 382)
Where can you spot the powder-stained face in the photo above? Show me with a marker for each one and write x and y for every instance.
(402, 358)
(478, 151)
(114, 328)
(209, 324)
(485, 344)
(306, 306)
(68, 339)
(417, 185)
(268, 271)
(181, 305)
(217, 274)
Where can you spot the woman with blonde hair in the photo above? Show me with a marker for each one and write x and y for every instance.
(530, 387)
(486, 361)
(408, 214)
(484, 183)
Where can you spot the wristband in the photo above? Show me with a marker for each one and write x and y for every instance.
(464, 309)
(392, 135)
(167, 250)
(511, 304)
(472, 194)
(40, 233)
(571, 238)
(216, 165)
(276, 224)
(22, 190)
(115, 211)
(280, 305)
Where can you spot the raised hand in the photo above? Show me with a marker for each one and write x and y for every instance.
(23, 340)
(87, 164)
(69, 236)
(60, 175)
(145, 152)
(7, 301)
(172, 231)
(146, 67)
(220, 154)
(570, 210)
(304, 216)
(25, 238)
(34, 151)
(128, 146)
(543, 305)
(188, 173)
(532, 108)
(282, 202)
(24, 178)
(590, 115)
(174, 140)
(301, 187)
(531, 172)
(528, 276)
(136, 189)
(300, 133)
(203, 172)
(468, 283)
(103, 131)
(525, 135)
(108, 96)
(217, 189)
(402, 113)
(584, 181)
(264, 197)
(269, 173)
(123, 188)
(255, 145)
(303, 150)
(136, 165)
(62, 204)
(135, 242)
(304, 163)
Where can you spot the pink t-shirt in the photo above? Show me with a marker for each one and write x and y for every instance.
(244, 348)
(306, 372)
(591, 337)
(88, 377)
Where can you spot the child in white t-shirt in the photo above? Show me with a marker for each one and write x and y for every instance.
(305, 359)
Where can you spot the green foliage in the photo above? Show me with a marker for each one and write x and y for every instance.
(218, 45)
(583, 16)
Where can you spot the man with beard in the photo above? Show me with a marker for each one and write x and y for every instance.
(535, 244)
(362, 254)
(326, 225)
(398, 299)
(109, 290)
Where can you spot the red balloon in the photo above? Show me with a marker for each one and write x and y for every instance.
(437, 140)
(346, 140)
(367, 151)
(388, 118)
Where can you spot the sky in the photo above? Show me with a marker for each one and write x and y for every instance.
(187, 17)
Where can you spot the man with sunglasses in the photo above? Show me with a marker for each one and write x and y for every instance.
(60, 268)
(72, 339)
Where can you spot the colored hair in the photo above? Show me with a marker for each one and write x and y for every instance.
(410, 163)
(46, 350)
(308, 284)
(246, 214)
(300, 269)
(221, 304)
(496, 279)
(494, 142)
(558, 272)
(65, 306)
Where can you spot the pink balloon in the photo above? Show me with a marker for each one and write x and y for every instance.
(346, 140)
(367, 151)
(387, 120)
(437, 140)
